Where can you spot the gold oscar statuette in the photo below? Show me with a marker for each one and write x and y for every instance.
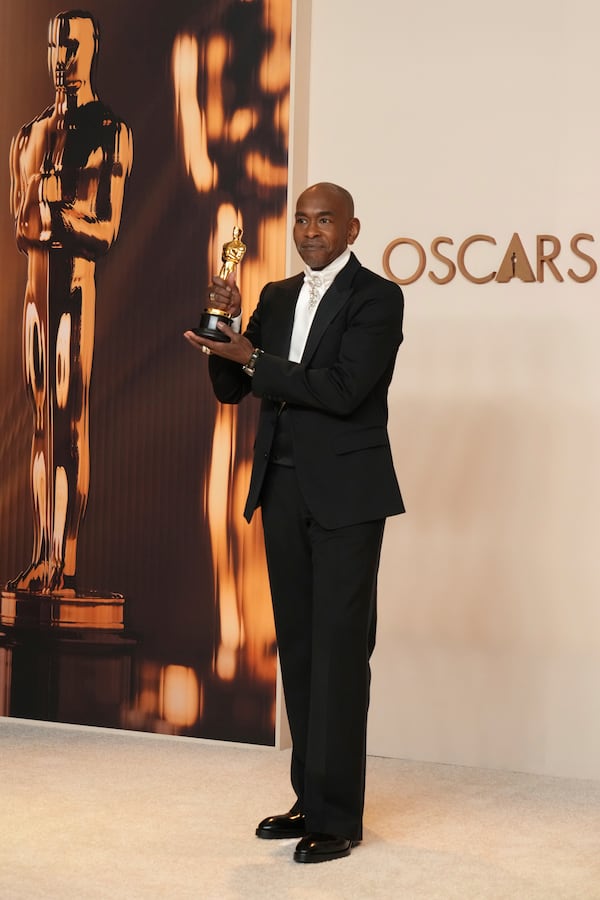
(233, 252)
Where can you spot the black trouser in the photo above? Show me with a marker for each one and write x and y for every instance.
(323, 585)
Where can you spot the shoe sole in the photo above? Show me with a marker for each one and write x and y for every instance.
(323, 857)
(279, 835)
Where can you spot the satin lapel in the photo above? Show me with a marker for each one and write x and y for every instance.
(333, 300)
(282, 321)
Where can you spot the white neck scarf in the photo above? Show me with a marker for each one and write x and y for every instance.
(316, 283)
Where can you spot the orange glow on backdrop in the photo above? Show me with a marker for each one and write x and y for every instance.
(204, 119)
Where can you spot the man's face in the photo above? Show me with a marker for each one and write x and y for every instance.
(324, 226)
(71, 49)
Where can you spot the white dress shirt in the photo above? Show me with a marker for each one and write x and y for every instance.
(311, 293)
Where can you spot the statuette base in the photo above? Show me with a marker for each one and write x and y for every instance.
(208, 327)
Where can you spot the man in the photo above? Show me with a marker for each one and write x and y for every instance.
(319, 350)
(68, 169)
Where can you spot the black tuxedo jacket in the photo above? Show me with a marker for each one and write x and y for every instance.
(336, 396)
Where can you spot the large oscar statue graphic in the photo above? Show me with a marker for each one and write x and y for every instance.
(68, 170)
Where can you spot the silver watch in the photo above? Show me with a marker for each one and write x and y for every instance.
(251, 364)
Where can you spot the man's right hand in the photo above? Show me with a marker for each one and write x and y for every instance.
(223, 294)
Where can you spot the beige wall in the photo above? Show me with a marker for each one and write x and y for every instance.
(456, 120)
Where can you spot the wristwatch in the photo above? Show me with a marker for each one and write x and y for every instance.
(251, 364)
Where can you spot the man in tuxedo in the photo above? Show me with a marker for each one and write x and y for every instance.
(319, 351)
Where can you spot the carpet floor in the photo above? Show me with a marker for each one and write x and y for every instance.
(92, 813)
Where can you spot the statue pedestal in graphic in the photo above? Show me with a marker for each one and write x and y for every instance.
(54, 612)
(79, 677)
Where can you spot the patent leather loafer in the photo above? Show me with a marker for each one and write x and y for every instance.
(288, 825)
(316, 847)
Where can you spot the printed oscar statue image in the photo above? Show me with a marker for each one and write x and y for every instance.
(233, 252)
(68, 170)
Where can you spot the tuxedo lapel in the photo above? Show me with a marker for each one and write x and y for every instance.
(333, 300)
(283, 310)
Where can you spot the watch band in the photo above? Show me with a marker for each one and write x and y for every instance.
(251, 364)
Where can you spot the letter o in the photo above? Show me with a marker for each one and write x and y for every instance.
(398, 242)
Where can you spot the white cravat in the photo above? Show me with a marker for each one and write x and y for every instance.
(311, 293)
(315, 288)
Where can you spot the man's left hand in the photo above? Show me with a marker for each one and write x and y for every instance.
(238, 349)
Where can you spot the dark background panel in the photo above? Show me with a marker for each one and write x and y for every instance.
(152, 410)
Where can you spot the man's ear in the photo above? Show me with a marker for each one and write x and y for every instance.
(353, 230)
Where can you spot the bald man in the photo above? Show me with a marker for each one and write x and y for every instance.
(319, 351)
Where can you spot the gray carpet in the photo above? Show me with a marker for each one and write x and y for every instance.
(87, 813)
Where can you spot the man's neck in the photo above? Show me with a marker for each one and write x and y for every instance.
(336, 264)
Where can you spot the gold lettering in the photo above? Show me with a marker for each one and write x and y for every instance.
(460, 258)
(515, 263)
(448, 262)
(547, 258)
(593, 267)
(388, 252)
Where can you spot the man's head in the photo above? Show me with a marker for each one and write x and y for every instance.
(72, 46)
(325, 224)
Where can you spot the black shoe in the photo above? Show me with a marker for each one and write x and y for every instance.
(289, 825)
(317, 847)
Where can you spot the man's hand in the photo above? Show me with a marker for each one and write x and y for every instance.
(223, 294)
(238, 349)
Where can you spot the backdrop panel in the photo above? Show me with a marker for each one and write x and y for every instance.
(204, 89)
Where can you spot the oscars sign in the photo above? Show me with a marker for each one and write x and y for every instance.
(405, 260)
